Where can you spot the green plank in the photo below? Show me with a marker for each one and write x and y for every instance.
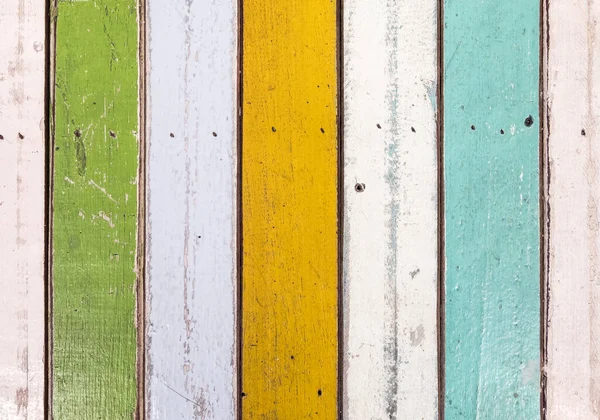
(491, 174)
(95, 210)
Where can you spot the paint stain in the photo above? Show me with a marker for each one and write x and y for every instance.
(21, 399)
(417, 336)
(80, 155)
(530, 372)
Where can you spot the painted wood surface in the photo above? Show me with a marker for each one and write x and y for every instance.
(289, 190)
(22, 210)
(94, 238)
(573, 349)
(492, 232)
(191, 189)
(390, 210)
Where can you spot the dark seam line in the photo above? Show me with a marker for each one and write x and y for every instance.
(340, 204)
(441, 304)
(49, 113)
(544, 194)
(239, 213)
(142, 222)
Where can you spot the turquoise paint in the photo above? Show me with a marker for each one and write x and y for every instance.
(492, 308)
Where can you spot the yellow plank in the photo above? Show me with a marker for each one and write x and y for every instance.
(289, 189)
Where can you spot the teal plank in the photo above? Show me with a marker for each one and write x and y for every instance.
(491, 175)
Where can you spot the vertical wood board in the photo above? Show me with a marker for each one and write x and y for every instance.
(573, 348)
(22, 208)
(289, 207)
(390, 210)
(191, 189)
(492, 233)
(94, 239)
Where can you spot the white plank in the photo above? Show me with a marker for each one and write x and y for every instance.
(573, 370)
(390, 229)
(22, 168)
(191, 210)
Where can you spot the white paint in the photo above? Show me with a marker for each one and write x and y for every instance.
(573, 370)
(191, 210)
(390, 229)
(22, 168)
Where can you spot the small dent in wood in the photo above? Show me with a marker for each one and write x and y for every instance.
(322, 131)
(171, 135)
(112, 134)
(21, 136)
(379, 126)
(360, 187)
(273, 129)
(501, 131)
(77, 133)
(583, 132)
(319, 392)
(529, 121)
(473, 127)
(413, 129)
(214, 134)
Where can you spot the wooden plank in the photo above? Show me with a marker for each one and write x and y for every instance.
(492, 231)
(94, 239)
(191, 189)
(573, 349)
(22, 173)
(289, 198)
(390, 210)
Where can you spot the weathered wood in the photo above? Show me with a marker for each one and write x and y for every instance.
(573, 349)
(390, 210)
(492, 231)
(22, 169)
(94, 238)
(191, 190)
(289, 190)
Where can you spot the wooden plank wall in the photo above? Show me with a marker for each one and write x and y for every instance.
(94, 210)
(573, 71)
(299, 209)
(390, 210)
(191, 269)
(22, 210)
(289, 210)
(491, 199)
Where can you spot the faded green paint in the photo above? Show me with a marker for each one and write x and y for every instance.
(95, 210)
(492, 339)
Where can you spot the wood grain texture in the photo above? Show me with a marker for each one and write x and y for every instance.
(573, 349)
(22, 172)
(95, 210)
(191, 189)
(390, 210)
(289, 190)
(492, 237)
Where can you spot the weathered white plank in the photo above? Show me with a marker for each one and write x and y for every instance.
(390, 216)
(22, 163)
(191, 210)
(573, 370)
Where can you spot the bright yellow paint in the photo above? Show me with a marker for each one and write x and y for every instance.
(289, 188)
